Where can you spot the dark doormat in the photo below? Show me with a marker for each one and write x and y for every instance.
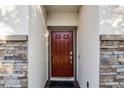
(62, 84)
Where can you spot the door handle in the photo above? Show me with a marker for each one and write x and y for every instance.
(71, 53)
(71, 57)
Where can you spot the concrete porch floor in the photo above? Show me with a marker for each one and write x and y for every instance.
(62, 84)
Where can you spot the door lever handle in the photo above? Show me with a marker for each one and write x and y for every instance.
(70, 57)
(71, 53)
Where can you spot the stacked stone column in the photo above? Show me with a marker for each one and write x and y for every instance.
(112, 61)
(13, 64)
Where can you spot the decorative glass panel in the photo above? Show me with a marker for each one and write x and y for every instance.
(66, 36)
(58, 36)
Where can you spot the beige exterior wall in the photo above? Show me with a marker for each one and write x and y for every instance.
(111, 19)
(37, 48)
(62, 19)
(14, 20)
(88, 46)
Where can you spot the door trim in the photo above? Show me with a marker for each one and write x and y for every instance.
(63, 28)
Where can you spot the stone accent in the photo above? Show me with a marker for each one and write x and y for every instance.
(112, 61)
(13, 64)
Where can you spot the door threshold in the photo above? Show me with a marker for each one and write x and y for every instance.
(62, 78)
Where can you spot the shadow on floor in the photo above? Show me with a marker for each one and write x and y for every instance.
(62, 84)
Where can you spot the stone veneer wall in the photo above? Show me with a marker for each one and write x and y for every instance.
(112, 61)
(13, 64)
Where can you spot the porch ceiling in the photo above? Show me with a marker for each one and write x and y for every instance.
(62, 8)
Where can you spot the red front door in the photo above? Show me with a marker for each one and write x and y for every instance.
(62, 54)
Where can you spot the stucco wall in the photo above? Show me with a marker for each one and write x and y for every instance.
(88, 46)
(111, 19)
(62, 19)
(37, 48)
(14, 20)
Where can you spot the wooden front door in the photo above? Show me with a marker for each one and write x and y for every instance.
(62, 54)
